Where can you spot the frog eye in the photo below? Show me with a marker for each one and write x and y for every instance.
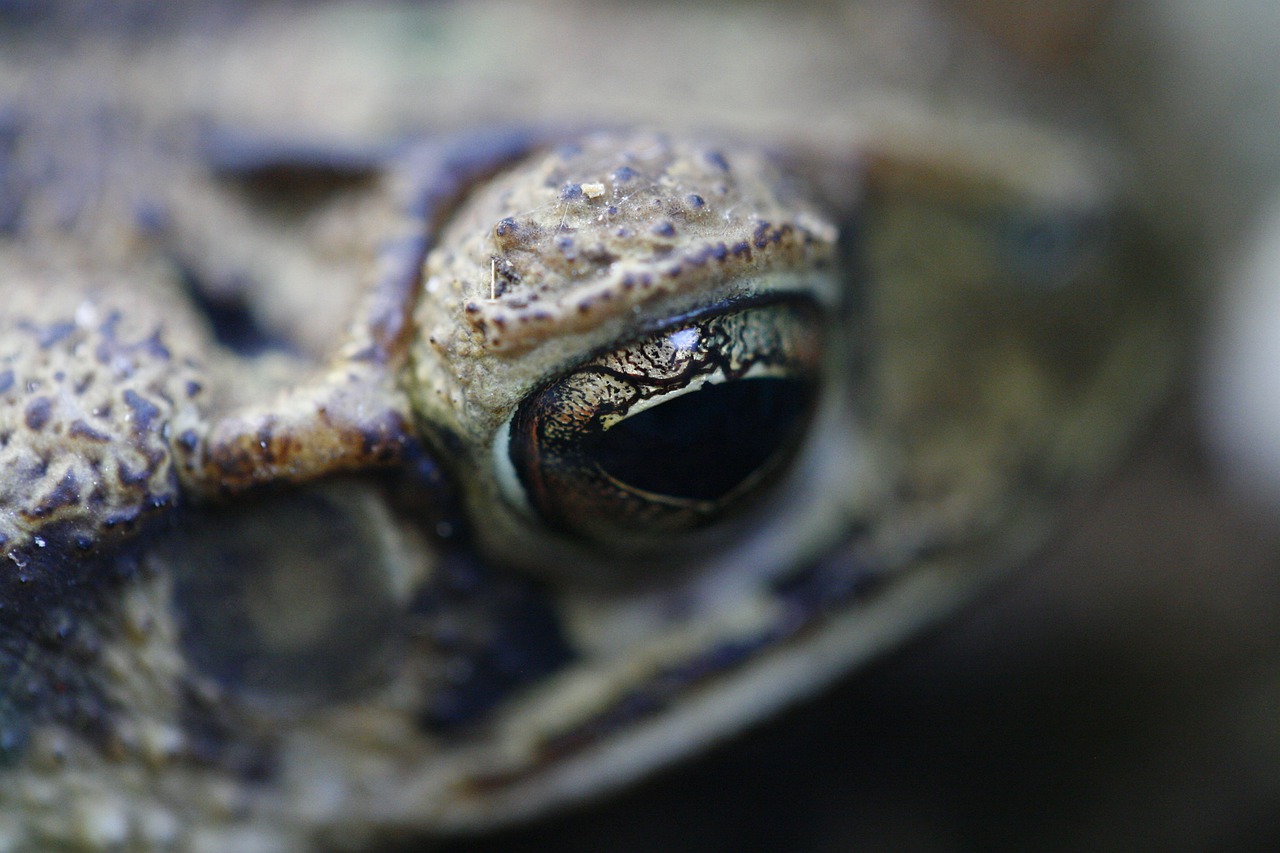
(671, 432)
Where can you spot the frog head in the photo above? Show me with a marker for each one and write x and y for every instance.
(629, 437)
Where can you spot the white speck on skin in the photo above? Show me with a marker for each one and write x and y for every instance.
(685, 339)
(86, 314)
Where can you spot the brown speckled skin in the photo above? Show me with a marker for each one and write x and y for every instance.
(607, 225)
(614, 678)
(102, 396)
(533, 271)
(966, 388)
(586, 244)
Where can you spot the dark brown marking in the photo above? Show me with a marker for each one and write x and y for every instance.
(37, 413)
(81, 429)
(128, 477)
(761, 235)
(145, 413)
(188, 441)
(389, 303)
(48, 336)
(65, 493)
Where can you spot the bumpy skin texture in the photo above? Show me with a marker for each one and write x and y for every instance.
(592, 237)
(154, 695)
(99, 388)
(138, 667)
(587, 244)
(103, 383)
(600, 226)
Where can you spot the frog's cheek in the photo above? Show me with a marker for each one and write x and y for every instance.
(290, 601)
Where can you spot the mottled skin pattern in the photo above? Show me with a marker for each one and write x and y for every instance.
(599, 240)
(95, 389)
(607, 224)
(204, 515)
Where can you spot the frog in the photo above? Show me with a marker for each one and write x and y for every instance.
(372, 483)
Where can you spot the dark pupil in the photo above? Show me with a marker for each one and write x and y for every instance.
(700, 446)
